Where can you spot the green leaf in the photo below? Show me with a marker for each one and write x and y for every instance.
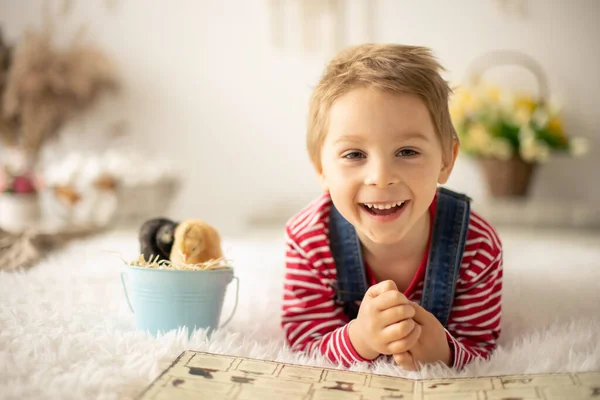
(552, 139)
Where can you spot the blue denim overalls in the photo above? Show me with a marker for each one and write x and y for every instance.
(450, 227)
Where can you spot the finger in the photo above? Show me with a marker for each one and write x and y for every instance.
(399, 330)
(389, 299)
(381, 287)
(422, 316)
(396, 314)
(406, 361)
(406, 343)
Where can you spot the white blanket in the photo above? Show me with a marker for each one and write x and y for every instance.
(66, 331)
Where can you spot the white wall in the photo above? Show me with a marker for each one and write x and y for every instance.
(563, 36)
(203, 83)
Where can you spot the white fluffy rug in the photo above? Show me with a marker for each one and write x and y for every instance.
(66, 331)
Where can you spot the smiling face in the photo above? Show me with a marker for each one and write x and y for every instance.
(381, 162)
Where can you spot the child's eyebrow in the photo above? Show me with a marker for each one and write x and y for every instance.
(399, 136)
(348, 138)
(412, 135)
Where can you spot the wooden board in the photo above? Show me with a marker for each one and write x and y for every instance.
(197, 375)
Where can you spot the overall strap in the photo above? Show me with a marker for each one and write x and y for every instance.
(448, 240)
(347, 254)
(449, 234)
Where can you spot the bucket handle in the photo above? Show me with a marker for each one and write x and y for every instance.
(237, 291)
(125, 290)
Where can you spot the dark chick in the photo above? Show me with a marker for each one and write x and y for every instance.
(156, 238)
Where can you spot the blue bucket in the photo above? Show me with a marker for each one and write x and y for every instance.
(163, 299)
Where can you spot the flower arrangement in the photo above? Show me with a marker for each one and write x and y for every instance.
(15, 177)
(16, 184)
(492, 122)
(45, 82)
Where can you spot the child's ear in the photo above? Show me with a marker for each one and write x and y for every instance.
(323, 183)
(447, 167)
(322, 180)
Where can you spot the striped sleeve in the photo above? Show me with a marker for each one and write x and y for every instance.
(311, 320)
(474, 324)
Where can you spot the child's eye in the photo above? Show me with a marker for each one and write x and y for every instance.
(407, 153)
(353, 155)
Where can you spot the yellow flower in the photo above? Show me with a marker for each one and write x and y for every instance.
(579, 147)
(457, 112)
(527, 152)
(540, 117)
(501, 148)
(458, 105)
(461, 96)
(526, 101)
(478, 138)
(465, 94)
(523, 115)
(474, 104)
(556, 128)
(534, 151)
(506, 102)
(555, 125)
(492, 92)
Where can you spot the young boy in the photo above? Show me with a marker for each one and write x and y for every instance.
(385, 262)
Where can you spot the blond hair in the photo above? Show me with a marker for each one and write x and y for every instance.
(394, 67)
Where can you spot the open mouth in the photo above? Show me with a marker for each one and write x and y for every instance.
(384, 209)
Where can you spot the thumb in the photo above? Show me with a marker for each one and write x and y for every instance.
(381, 287)
(406, 360)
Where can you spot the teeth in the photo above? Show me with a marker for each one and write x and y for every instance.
(384, 206)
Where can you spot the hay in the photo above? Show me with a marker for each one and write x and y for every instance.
(155, 263)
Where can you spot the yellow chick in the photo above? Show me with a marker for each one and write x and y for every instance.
(195, 242)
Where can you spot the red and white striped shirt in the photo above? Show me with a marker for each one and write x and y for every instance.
(312, 321)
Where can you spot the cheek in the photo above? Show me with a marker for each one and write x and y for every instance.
(342, 184)
(345, 181)
(335, 174)
(426, 172)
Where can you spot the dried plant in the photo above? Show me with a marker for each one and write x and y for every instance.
(44, 86)
(7, 128)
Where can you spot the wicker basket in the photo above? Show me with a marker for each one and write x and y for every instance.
(511, 178)
(508, 178)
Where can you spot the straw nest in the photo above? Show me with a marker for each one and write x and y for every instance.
(155, 263)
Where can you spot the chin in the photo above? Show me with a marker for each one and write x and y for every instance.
(384, 238)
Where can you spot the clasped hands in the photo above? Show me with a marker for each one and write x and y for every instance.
(388, 323)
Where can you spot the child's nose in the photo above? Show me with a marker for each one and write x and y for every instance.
(381, 174)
